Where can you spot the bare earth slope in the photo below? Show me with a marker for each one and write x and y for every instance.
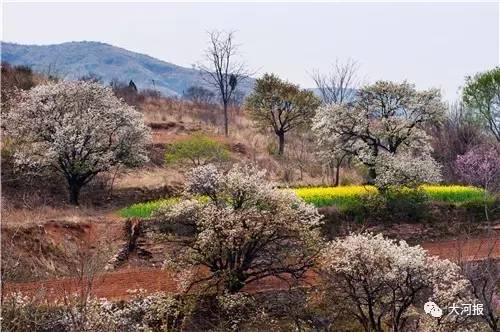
(119, 284)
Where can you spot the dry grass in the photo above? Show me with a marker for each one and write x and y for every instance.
(150, 178)
(57, 247)
(172, 110)
(299, 167)
(207, 118)
(42, 213)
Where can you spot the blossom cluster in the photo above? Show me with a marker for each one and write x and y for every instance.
(480, 166)
(386, 119)
(247, 226)
(393, 275)
(155, 312)
(406, 169)
(75, 127)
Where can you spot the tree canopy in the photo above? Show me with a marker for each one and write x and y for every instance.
(384, 284)
(281, 106)
(482, 95)
(78, 129)
(245, 229)
(387, 117)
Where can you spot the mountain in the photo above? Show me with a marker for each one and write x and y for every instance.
(75, 59)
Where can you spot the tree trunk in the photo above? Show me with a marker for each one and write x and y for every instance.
(331, 173)
(226, 120)
(372, 175)
(337, 175)
(235, 282)
(74, 191)
(281, 142)
(338, 163)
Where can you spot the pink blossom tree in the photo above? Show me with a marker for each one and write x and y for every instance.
(480, 167)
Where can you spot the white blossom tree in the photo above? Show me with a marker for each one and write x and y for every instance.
(331, 149)
(79, 129)
(246, 231)
(405, 169)
(386, 117)
(338, 87)
(384, 284)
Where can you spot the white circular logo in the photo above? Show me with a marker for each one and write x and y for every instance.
(433, 309)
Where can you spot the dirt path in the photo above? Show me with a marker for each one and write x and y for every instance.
(119, 284)
(126, 283)
(112, 285)
(465, 250)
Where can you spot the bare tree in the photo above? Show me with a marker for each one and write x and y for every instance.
(222, 70)
(484, 278)
(458, 134)
(340, 84)
(337, 87)
(299, 155)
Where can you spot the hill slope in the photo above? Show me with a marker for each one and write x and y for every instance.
(72, 60)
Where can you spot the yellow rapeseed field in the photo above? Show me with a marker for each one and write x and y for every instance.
(339, 196)
(324, 196)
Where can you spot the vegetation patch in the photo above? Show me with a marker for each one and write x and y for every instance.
(145, 209)
(196, 150)
(344, 197)
(338, 196)
(348, 195)
(455, 193)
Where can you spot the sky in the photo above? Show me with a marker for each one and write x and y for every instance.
(429, 44)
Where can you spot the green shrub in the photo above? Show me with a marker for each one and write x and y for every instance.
(196, 150)
(392, 205)
(145, 209)
(405, 204)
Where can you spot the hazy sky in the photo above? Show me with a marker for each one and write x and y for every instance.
(426, 43)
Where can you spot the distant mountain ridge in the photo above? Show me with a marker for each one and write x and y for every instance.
(73, 60)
